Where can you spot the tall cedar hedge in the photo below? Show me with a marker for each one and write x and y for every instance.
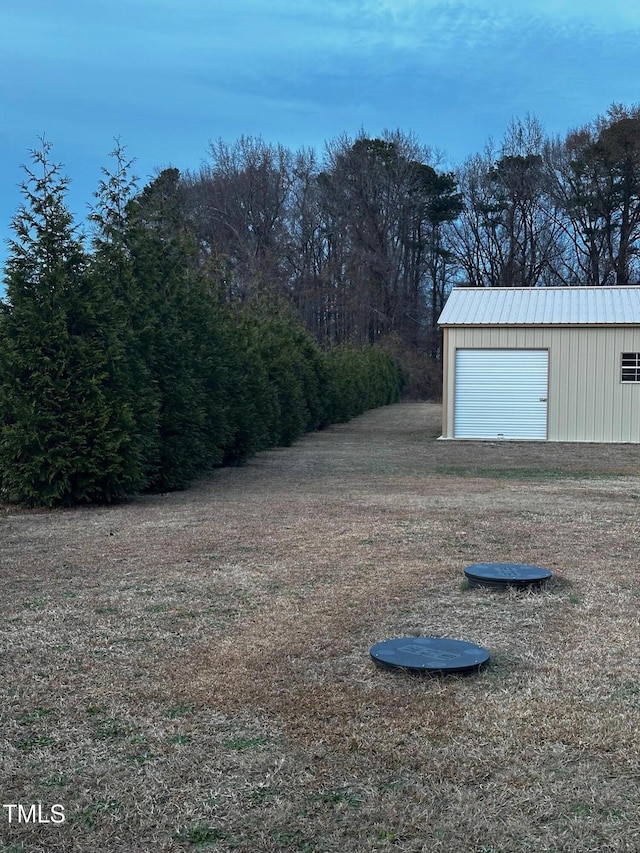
(124, 371)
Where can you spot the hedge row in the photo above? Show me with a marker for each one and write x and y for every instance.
(275, 384)
(132, 369)
(244, 384)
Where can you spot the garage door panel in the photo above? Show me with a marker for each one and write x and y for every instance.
(501, 394)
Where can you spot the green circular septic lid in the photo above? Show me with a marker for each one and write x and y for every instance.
(429, 655)
(500, 575)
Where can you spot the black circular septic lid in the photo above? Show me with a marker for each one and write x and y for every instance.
(429, 655)
(506, 574)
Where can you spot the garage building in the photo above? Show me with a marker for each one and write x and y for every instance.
(542, 364)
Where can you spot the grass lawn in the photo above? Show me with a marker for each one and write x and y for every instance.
(191, 671)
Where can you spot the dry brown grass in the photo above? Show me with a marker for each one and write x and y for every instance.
(191, 671)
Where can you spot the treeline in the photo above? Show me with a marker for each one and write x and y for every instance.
(367, 241)
(355, 241)
(127, 368)
(543, 211)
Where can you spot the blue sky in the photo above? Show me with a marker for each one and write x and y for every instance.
(169, 76)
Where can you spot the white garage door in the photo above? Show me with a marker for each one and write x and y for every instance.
(501, 393)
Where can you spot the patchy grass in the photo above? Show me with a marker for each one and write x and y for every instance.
(191, 671)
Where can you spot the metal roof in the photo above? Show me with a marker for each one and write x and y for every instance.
(542, 306)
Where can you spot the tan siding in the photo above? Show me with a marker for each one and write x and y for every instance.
(587, 400)
(445, 384)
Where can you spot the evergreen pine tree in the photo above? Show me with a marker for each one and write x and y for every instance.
(113, 269)
(254, 408)
(63, 432)
(184, 335)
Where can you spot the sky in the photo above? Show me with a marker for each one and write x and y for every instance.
(167, 77)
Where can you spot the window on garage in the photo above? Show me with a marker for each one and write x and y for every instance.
(630, 371)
